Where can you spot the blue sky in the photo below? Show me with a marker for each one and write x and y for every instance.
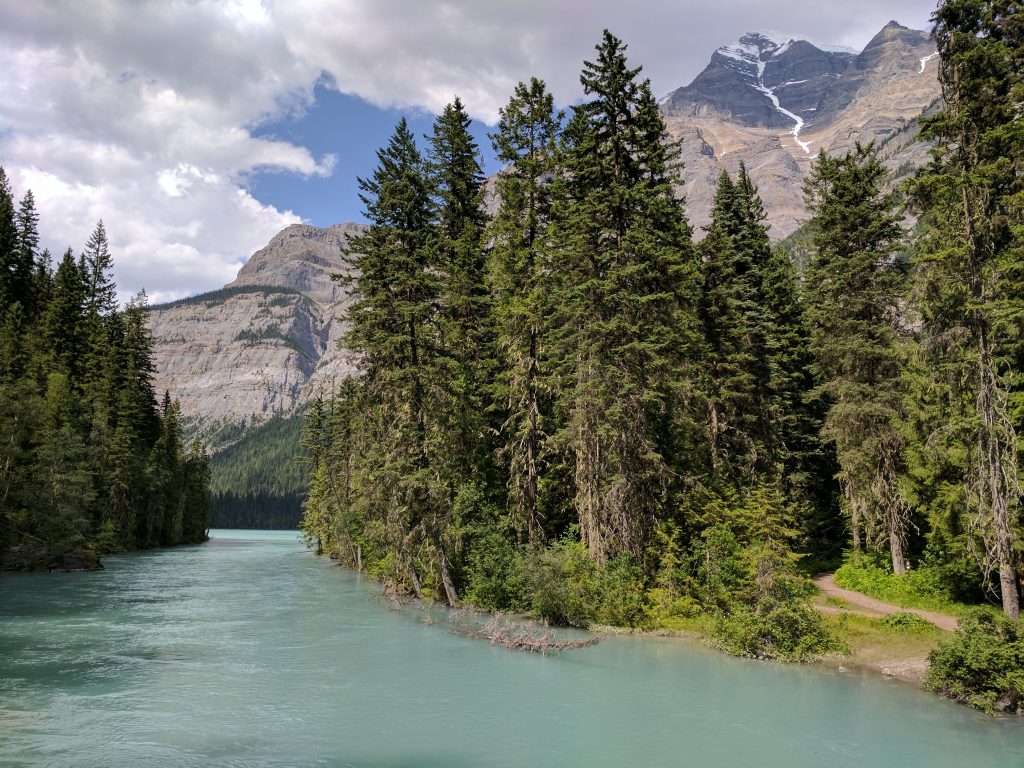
(198, 130)
(352, 130)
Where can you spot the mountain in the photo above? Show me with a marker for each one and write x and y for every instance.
(265, 343)
(773, 101)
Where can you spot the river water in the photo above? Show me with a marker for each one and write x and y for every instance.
(249, 651)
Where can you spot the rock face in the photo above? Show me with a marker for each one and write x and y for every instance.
(773, 102)
(266, 342)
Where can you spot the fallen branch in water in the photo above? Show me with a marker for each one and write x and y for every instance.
(520, 637)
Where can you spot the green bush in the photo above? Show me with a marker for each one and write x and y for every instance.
(495, 574)
(620, 593)
(982, 665)
(561, 582)
(908, 623)
(782, 630)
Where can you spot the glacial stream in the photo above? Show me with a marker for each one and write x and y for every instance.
(249, 651)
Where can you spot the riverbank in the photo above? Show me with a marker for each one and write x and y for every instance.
(874, 648)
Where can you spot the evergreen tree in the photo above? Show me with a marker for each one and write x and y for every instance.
(854, 287)
(526, 141)
(8, 243)
(623, 323)
(728, 310)
(101, 294)
(22, 279)
(466, 347)
(761, 426)
(87, 464)
(65, 316)
(971, 268)
(394, 333)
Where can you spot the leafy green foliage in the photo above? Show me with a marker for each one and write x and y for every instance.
(783, 630)
(982, 665)
(907, 622)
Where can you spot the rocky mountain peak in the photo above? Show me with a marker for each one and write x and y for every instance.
(773, 100)
(764, 79)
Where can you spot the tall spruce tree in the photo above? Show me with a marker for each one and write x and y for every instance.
(8, 243)
(762, 428)
(971, 268)
(467, 339)
(854, 287)
(728, 310)
(101, 295)
(23, 282)
(526, 141)
(395, 335)
(623, 324)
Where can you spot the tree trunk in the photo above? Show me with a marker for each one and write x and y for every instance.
(997, 481)
(899, 565)
(446, 577)
(533, 522)
(1008, 589)
(854, 519)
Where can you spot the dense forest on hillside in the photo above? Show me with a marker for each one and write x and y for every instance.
(89, 461)
(572, 408)
(257, 478)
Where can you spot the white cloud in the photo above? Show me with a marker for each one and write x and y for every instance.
(142, 113)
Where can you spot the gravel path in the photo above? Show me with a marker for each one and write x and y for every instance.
(826, 583)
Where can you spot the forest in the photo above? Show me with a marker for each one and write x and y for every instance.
(258, 478)
(575, 408)
(90, 461)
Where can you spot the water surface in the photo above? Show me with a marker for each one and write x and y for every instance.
(248, 651)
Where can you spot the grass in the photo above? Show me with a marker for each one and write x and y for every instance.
(876, 643)
(925, 589)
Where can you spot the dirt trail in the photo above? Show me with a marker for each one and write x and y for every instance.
(864, 604)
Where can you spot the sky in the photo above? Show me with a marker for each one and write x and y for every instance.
(198, 129)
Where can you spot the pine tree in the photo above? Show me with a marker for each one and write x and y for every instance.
(101, 295)
(622, 324)
(467, 338)
(22, 279)
(526, 141)
(761, 427)
(728, 307)
(8, 243)
(971, 268)
(65, 316)
(854, 288)
(394, 326)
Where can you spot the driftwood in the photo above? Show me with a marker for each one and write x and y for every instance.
(520, 637)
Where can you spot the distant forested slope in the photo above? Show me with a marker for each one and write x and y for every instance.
(257, 480)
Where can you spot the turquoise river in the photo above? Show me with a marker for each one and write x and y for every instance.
(249, 651)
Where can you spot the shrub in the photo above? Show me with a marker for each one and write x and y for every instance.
(620, 593)
(561, 582)
(495, 574)
(908, 623)
(782, 630)
(982, 665)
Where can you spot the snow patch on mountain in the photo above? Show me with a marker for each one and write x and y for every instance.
(770, 93)
(753, 51)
